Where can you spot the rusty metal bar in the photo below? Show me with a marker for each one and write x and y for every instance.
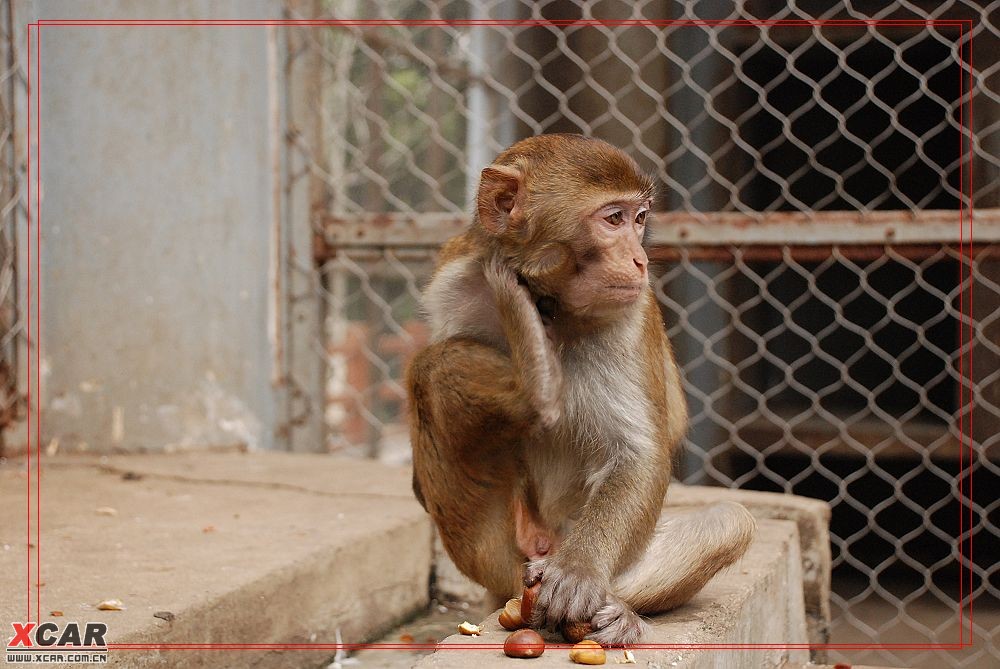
(275, 267)
(673, 230)
(773, 253)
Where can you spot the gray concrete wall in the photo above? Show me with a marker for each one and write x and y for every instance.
(157, 214)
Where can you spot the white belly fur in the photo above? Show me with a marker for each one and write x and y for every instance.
(604, 418)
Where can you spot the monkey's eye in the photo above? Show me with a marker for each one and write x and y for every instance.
(615, 219)
(641, 218)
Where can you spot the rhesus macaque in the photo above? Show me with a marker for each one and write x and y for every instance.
(546, 410)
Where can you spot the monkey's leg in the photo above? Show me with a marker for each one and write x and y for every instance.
(687, 549)
(468, 424)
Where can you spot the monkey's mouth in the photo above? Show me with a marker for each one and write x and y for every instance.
(625, 292)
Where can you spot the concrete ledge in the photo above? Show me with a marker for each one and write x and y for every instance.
(758, 600)
(812, 517)
(238, 548)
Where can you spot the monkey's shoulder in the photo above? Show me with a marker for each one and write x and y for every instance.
(458, 301)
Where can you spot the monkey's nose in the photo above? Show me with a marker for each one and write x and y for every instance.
(640, 263)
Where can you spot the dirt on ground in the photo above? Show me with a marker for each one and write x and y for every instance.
(432, 626)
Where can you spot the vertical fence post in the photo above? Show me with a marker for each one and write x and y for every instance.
(302, 426)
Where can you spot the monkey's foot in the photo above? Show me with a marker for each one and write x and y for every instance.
(615, 624)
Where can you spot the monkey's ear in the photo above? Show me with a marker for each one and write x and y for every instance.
(499, 202)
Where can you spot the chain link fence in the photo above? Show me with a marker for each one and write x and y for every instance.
(12, 216)
(830, 354)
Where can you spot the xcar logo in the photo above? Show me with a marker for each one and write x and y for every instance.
(47, 643)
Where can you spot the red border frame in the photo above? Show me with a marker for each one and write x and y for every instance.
(965, 250)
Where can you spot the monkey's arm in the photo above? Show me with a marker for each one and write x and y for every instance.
(536, 366)
(614, 528)
(618, 520)
(620, 517)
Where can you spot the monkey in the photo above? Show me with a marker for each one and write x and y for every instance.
(547, 408)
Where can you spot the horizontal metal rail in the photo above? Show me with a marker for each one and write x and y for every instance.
(700, 232)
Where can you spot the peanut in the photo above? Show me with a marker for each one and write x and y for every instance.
(587, 652)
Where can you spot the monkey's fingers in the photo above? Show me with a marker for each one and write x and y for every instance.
(567, 595)
(533, 572)
(500, 276)
(528, 597)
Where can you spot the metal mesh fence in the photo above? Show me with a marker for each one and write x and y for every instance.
(12, 212)
(815, 361)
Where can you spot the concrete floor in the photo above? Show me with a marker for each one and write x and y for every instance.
(209, 548)
(269, 547)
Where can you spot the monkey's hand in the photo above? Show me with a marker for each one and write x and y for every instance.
(536, 365)
(571, 595)
(570, 592)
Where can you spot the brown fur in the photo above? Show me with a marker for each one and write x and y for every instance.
(547, 410)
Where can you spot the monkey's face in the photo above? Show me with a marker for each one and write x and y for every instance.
(568, 214)
(610, 269)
